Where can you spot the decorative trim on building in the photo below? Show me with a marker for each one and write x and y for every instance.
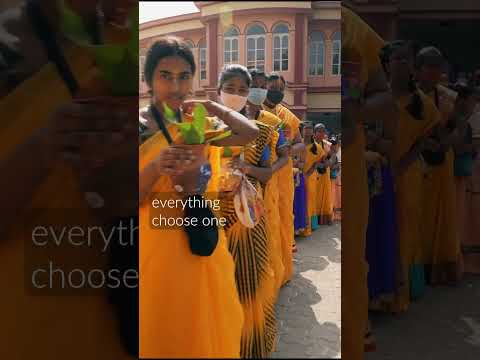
(212, 49)
(323, 89)
(200, 93)
(300, 36)
(320, 109)
(169, 20)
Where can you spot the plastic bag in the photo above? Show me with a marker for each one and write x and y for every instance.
(248, 203)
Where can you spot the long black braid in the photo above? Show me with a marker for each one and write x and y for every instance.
(415, 107)
(313, 148)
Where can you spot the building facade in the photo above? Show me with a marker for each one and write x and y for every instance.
(448, 24)
(298, 39)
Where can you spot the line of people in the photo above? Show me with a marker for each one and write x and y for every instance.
(318, 180)
(212, 292)
(418, 145)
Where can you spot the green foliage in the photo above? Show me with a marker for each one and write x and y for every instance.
(192, 132)
(117, 62)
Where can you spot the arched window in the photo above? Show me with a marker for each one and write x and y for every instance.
(230, 46)
(280, 48)
(203, 59)
(336, 53)
(256, 47)
(190, 44)
(316, 53)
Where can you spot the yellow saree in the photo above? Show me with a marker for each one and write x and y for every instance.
(189, 305)
(251, 251)
(30, 322)
(271, 200)
(324, 190)
(441, 248)
(357, 38)
(311, 188)
(287, 189)
(409, 192)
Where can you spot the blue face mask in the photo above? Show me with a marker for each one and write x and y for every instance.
(257, 96)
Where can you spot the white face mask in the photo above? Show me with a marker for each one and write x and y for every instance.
(234, 102)
(257, 96)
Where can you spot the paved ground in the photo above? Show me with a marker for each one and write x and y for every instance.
(308, 308)
(445, 324)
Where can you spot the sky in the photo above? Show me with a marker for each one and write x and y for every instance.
(154, 10)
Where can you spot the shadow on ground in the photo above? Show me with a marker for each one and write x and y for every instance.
(444, 324)
(301, 334)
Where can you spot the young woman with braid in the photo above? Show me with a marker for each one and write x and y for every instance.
(188, 301)
(312, 159)
(441, 248)
(249, 247)
(418, 117)
(382, 240)
(324, 188)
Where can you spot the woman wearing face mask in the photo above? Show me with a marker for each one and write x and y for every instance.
(250, 247)
(276, 87)
(189, 304)
(279, 158)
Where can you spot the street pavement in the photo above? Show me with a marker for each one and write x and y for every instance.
(444, 324)
(308, 308)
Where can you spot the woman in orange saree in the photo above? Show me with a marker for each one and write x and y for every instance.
(278, 159)
(39, 108)
(324, 187)
(360, 64)
(189, 304)
(276, 88)
(312, 157)
(250, 246)
(417, 117)
(441, 248)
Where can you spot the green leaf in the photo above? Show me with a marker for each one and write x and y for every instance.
(169, 113)
(117, 68)
(200, 121)
(108, 55)
(221, 136)
(72, 24)
(189, 134)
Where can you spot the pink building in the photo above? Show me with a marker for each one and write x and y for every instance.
(298, 39)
